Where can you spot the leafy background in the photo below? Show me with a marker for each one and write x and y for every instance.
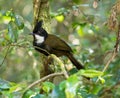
(81, 25)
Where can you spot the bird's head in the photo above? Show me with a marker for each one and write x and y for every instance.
(39, 33)
(38, 26)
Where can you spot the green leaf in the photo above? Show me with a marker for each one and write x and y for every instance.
(73, 71)
(80, 31)
(10, 13)
(101, 80)
(57, 92)
(15, 87)
(4, 85)
(18, 22)
(29, 94)
(73, 79)
(60, 18)
(12, 32)
(40, 96)
(62, 10)
(77, 1)
(67, 88)
(71, 86)
(96, 89)
(6, 18)
(62, 85)
(48, 86)
(90, 73)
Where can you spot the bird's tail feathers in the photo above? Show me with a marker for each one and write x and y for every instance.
(74, 61)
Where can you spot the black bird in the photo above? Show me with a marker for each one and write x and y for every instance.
(51, 44)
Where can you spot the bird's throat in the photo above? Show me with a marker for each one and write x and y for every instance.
(39, 39)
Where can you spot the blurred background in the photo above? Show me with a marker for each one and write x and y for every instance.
(81, 23)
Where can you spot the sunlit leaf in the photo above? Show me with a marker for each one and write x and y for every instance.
(15, 87)
(73, 79)
(102, 80)
(71, 86)
(80, 31)
(10, 13)
(59, 18)
(48, 86)
(90, 73)
(6, 19)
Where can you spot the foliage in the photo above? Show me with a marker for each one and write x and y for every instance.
(79, 22)
(14, 26)
(70, 88)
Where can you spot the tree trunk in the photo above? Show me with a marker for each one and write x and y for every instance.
(41, 12)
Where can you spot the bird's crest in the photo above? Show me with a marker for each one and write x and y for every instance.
(38, 26)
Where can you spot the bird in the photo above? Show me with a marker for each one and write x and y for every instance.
(47, 44)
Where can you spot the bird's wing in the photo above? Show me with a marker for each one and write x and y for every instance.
(57, 43)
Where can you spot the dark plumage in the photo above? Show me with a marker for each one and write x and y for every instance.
(51, 44)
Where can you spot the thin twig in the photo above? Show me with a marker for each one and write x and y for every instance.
(117, 39)
(110, 89)
(53, 56)
(43, 79)
(22, 46)
(110, 60)
(5, 55)
(115, 51)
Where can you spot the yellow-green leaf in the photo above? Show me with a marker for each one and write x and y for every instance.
(59, 18)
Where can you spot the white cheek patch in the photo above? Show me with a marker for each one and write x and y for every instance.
(39, 39)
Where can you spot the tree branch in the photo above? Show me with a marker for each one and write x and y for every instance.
(43, 79)
(5, 55)
(117, 39)
(115, 51)
(60, 64)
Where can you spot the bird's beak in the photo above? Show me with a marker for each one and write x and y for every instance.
(31, 33)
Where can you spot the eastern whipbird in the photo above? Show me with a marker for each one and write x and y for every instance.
(50, 44)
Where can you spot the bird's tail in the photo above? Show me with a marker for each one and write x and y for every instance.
(74, 61)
